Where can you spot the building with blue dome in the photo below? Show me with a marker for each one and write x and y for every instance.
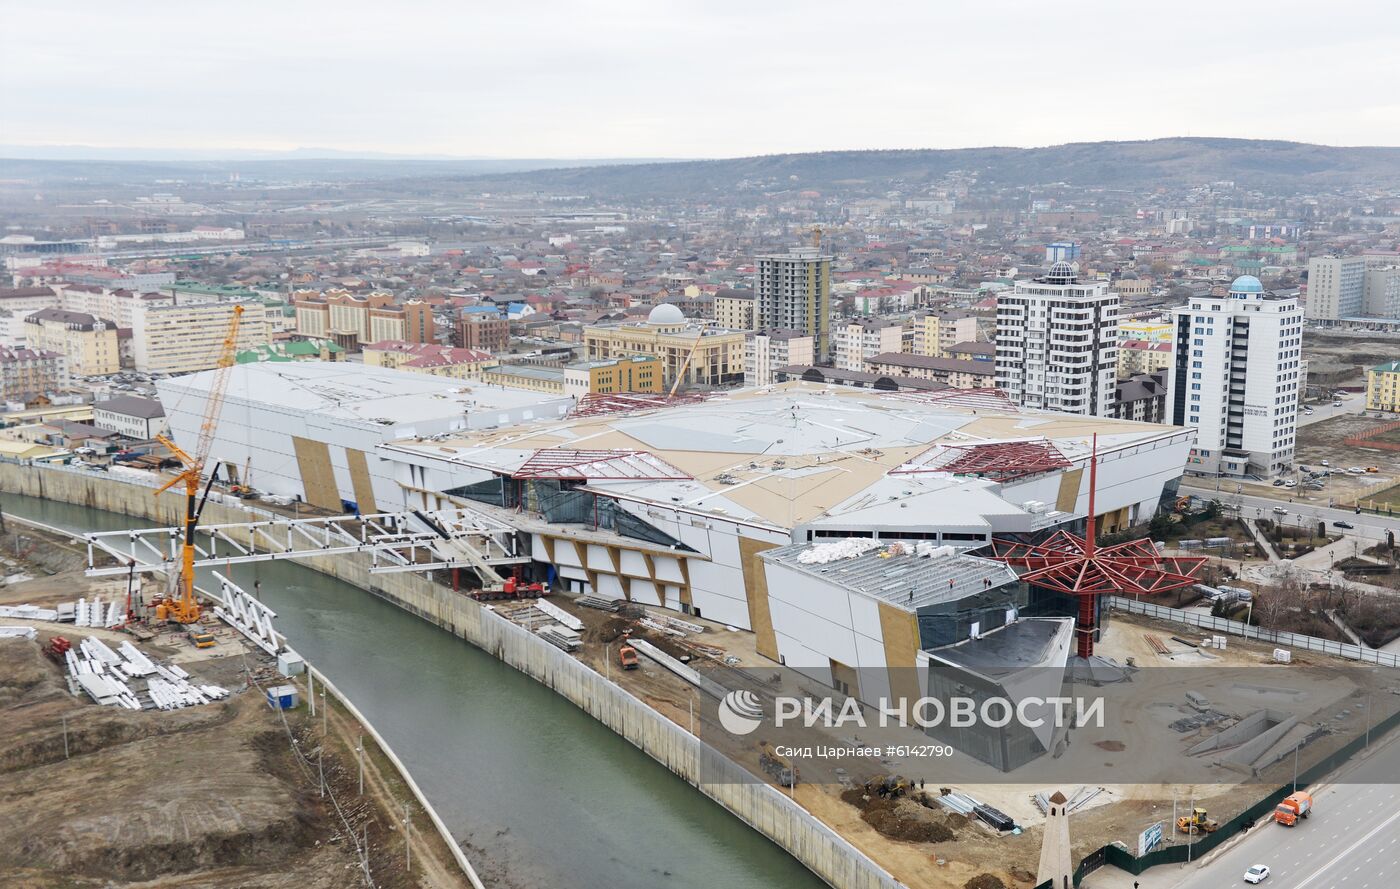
(1235, 377)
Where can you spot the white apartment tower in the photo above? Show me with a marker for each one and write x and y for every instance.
(1057, 343)
(1235, 376)
(793, 292)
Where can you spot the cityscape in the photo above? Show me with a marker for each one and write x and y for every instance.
(646, 510)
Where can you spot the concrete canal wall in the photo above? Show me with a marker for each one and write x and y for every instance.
(761, 806)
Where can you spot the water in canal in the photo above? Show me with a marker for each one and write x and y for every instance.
(543, 789)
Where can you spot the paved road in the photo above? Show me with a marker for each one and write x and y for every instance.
(1368, 527)
(1352, 403)
(1352, 841)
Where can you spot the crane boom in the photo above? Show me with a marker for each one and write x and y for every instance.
(185, 609)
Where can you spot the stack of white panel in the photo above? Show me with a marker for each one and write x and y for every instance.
(80, 616)
(114, 616)
(135, 663)
(28, 612)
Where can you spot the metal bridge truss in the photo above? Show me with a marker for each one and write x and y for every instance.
(403, 541)
(247, 615)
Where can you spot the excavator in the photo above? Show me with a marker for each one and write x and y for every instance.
(183, 607)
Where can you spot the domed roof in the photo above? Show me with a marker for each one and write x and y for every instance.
(665, 313)
(1246, 284)
(1062, 273)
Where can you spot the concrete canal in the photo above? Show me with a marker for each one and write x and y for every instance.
(544, 795)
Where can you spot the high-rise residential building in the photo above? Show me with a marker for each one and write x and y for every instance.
(734, 309)
(1336, 287)
(858, 341)
(1235, 377)
(1057, 343)
(182, 339)
(89, 344)
(18, 303)
(768, 350)
(794, 293)
(1380, 294)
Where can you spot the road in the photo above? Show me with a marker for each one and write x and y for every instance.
(1367, 527)
(1352, 841)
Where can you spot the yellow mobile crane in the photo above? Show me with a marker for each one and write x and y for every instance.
(185, 608)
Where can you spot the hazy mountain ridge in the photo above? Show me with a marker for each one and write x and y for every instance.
(1171, 162)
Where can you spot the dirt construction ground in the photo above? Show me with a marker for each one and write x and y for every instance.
(221, 795)
(923, 844)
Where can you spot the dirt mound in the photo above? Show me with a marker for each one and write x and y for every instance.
(1111, 746)
(609, 630)
(902, 819)
(985, 881)
(25, 674)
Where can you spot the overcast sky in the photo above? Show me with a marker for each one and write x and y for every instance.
(704, 78)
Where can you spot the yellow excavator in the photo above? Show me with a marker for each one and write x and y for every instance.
(183, 607)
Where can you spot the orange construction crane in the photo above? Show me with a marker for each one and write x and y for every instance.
(185, 609)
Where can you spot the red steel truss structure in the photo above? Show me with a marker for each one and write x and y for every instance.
(615, 465)
(977, 399)
(998, 460)
(596, 404)
(1078, 567)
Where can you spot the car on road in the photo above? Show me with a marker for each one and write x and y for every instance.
(1336, 404)
(1278, 483)
(1344, 525)
(1356, 470)
(1325, 463)
(1290, 484)
(1279, 510)
(1257, 874)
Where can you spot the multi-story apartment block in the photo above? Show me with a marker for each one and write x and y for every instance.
(1235, 377)
(1143, 397)
(18, 303)
(793, 292)
(1336, 287)
(858, 341)
(1380, 294)
(1057, 343)
(734, 309)
(1141, 357)
(31, 372)
(486, 331)
(347, 318)
(89, 344)
(768, 350)
(955, 372)
(1383, 388)
(182, 339)
(938, 331)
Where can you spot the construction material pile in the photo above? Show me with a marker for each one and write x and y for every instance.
(106, 676)
(837, 550)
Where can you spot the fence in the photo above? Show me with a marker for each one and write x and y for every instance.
(1124, 860)
(1273, 637)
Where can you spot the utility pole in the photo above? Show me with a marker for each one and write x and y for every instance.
(360, 757)
(1296, 747)
(407, 841)
(65, 736)
(321, 768)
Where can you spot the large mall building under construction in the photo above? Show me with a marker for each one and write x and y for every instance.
(761, 509)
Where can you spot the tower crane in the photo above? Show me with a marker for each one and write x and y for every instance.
(184, 609)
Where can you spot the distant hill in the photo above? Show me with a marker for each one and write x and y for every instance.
(1171, 162)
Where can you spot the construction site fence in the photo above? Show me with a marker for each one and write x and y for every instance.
(1258, 815)
(1278, 638)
